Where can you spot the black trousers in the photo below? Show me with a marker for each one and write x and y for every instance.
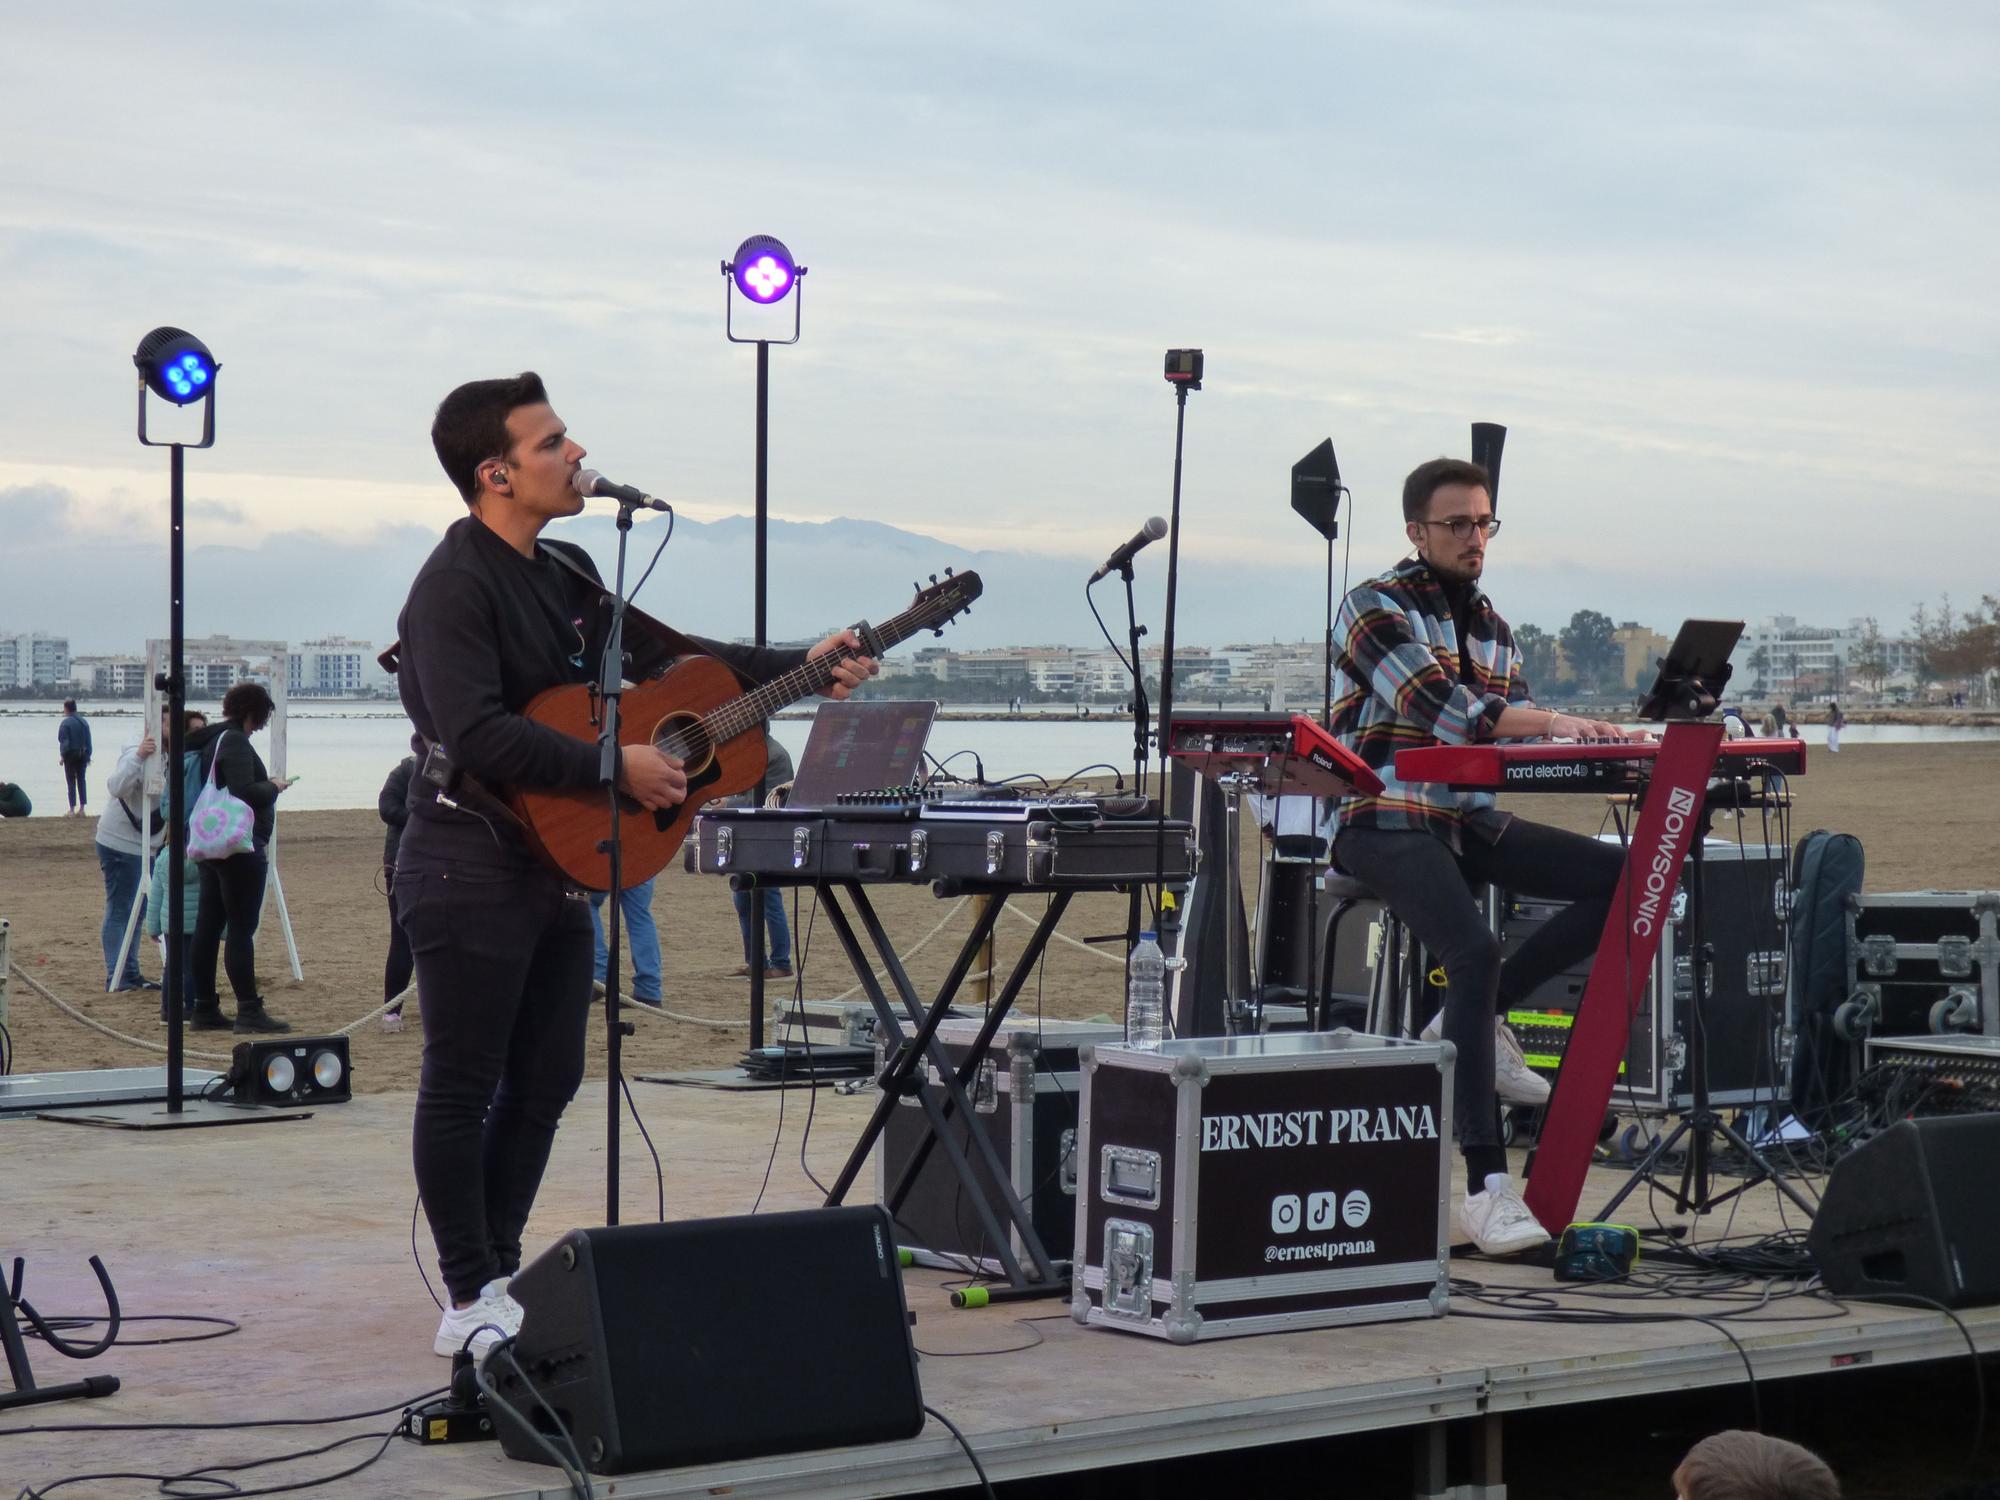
(503, 974)
(396, 971)
(1432, 890)
(232, 897)
(73, 768)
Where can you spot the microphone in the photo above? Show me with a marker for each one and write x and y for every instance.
(591, 484)
(1152, 531)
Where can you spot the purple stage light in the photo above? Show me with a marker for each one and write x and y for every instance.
(764, 269)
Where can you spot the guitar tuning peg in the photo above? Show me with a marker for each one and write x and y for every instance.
(916, 587)
(947, 572)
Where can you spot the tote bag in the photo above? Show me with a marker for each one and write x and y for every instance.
(221, 823)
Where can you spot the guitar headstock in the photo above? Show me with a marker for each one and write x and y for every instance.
(944, 599)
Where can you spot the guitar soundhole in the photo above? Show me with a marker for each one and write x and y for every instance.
(681, 736)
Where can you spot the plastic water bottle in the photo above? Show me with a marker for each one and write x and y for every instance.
(1146, 994)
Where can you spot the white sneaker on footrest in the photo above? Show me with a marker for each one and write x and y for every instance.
(493, 1316)
(1513, 1080)
(1497, 1221)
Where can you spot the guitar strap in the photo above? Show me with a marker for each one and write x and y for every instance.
(469, 788)
(674, 643)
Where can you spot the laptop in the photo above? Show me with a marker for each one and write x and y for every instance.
(862, 747)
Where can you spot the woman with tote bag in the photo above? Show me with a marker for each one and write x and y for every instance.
(232, 883)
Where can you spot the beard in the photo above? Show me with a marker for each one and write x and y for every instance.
(1459, 569)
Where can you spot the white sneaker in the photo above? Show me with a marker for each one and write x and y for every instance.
(1513, 1080)
(493, 1316)
(1497, 1221)
(392, 1020)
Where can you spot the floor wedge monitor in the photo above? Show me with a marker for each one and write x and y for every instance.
(1913, 1213)
(657, 1345)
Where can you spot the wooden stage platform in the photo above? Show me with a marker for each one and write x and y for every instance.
(301, 1232)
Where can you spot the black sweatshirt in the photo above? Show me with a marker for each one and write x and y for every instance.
(243, 773)
(486, 629)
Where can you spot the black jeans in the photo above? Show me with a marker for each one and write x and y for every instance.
(503, 981)
(1431, 889)
(73, 769)
(396, 971)
(232, 897)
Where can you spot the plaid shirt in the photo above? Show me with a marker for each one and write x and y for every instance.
(1398, 649)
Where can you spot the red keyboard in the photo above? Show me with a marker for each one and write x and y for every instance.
(1607, 765)
(1286, 753)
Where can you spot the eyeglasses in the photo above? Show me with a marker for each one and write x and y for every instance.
(1462, 527)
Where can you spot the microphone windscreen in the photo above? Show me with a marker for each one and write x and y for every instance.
(1155, 528)
(584, 482)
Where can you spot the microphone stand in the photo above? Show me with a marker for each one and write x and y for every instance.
(1141, 728)
(610, 689)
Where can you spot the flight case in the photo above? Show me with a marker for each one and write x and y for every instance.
(1234, 1185)
(1925, 961)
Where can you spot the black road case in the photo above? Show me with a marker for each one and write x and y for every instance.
(1925, 961)
(1235, 1185)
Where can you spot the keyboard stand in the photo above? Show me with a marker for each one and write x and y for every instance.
(903, 1078)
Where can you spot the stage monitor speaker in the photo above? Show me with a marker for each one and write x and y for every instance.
(658, 1345)
(1913, 1212)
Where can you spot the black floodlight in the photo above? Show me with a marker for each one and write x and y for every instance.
(1316, 489)
(765, 273)
(290, 1070)
(176, 366)
(1488, 439)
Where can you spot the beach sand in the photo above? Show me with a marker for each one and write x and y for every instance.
(1926, 815)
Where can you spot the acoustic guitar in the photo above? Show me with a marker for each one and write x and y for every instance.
(698, 713)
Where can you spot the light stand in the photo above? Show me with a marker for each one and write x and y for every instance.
(764, 271)
(1183, 372)
(163, 362)
(1316, 492)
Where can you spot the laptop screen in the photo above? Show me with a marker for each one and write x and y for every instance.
(859, 747)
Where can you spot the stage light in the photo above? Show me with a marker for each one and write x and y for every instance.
(764, 269)
(290, 1070)
(176, 366)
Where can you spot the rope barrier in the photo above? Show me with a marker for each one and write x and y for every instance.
(1062, 937)
(118, 1036)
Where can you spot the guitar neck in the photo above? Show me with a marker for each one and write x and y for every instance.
(740, 715)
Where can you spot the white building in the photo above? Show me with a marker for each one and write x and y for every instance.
(33, 659)
(333, 668)
(109, 676)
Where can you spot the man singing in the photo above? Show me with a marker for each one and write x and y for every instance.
(502, 943)
(1428, 660)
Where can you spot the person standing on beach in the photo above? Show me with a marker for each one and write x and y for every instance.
(73, 750)
(232, 889)
(502, 942)
(1835, 722)
(641, 942)
(123, 840)
(777, 934)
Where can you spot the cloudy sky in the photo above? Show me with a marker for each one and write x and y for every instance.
(1724, 271)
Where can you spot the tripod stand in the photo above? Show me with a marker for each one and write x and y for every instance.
(1703, 1127)
(26, 1392)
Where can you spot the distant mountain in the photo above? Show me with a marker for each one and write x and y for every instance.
(109, 596)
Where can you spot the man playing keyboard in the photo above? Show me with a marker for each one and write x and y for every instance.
(1423, 658)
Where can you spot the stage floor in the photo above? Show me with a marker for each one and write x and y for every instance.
(300, 1231)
